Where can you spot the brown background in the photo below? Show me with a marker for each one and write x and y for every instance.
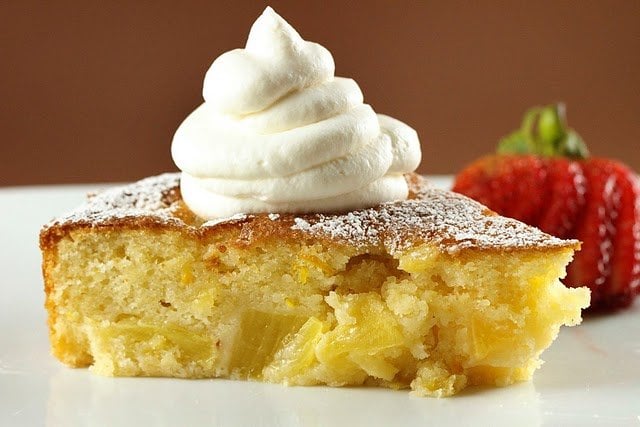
(93, 91)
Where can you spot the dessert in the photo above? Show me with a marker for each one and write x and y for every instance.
(433, 293)
(543, 175)
(299, 248)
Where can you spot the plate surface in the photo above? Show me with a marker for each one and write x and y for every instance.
(591, 375)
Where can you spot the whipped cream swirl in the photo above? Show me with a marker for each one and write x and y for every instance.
(279, 133)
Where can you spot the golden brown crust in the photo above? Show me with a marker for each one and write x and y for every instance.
(449, 220)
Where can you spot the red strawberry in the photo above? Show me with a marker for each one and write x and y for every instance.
(565, 197)
(542, 176)
(510, 185)
(595, 229)
(624, 281)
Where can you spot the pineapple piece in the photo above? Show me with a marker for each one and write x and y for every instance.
(136, 343)
(375, 366)
(259, 338)
(495, 344)
(434, 379)
(365, 330)
(293, 362)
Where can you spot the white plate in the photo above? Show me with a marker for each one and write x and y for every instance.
(591, 375)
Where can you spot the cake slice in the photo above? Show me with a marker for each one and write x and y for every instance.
(434, 293)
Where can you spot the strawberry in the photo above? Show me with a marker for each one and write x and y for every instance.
(565, 197)
(510, 185)
(624, 280)
(542, 175)
(595, 229)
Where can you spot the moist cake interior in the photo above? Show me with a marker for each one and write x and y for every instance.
(136, 286)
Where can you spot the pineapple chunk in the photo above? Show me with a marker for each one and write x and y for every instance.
(435, 379)
(293, 362)
(375, 366)
(495, 344)
(128, 346)
(191, 346)
(260, 336)
(365, 329)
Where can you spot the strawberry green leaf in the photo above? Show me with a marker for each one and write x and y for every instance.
(544, 132)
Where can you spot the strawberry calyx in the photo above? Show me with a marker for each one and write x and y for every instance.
(544, 132)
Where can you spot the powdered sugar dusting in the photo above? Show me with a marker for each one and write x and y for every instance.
(233, 218)
(145, 198)
(451, 220)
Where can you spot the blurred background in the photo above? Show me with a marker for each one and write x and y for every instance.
(93, 91)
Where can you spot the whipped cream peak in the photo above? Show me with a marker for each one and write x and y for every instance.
(278, 132)
(271, 34)
(275, 62)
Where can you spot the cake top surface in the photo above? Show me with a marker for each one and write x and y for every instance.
(450, 220)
